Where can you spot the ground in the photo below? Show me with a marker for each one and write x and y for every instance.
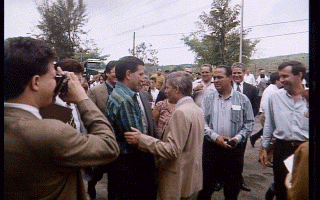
(257, 177)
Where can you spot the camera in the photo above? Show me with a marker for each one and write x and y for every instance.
(62, 84)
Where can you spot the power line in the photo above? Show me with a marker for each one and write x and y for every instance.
(247, 38)
(277, 23)
(137, 16)
(280, 35)
(117, 6)
(245, 27)
(162, 21)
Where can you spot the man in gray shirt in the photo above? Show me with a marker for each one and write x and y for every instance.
(287, 119)
(229, 120)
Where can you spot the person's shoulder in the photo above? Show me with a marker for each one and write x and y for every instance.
(97, 88)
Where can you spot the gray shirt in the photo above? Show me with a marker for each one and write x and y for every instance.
(285, 119)
(232, 117)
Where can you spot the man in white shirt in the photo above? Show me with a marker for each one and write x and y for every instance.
(203, 86)
(262, 71)
(249, 78)
(275, 84)
(153, 90)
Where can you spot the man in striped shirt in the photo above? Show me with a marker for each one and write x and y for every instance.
(131, 176)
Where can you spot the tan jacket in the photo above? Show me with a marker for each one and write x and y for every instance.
(180, 152)
(43, 158)
(300, 174)
(99, 96)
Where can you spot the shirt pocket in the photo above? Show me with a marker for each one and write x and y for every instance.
(236, 116)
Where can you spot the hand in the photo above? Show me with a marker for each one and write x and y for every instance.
(76, 92)
(264, 159)
(288, 181)
(221, 141)
(233, 140)
(198, 87)
(133, 137)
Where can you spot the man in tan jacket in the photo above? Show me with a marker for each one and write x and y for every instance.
(43, 157)
(180, 150)
(99, 94)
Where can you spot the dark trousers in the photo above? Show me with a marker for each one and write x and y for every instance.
(97, 174)
(282, 150)
(132, 177)
(243, 149)
(221, 166)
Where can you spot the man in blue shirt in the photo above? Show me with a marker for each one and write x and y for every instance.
(229, 120)
(286, 119)
(131, 176)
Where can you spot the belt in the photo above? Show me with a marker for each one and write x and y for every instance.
(294, 143)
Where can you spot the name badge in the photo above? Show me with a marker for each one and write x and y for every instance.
(235, 107)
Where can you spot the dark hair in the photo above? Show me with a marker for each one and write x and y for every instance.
(167, 71)
(262, 75)
(274, 77)
(296, 67)
(110, 66)
(24, 57)
(183, 80)
(70, 65)
(207, 65)
(153, 78)
(227, 69)
(127, 63)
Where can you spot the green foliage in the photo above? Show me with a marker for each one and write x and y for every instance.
(218, 39)
(146, 54)
(90, 51)
(61, 23)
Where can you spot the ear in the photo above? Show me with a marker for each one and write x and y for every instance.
(300, 75)
(34, 83)
(128, 74)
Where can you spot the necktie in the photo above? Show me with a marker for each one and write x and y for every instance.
(238, 87)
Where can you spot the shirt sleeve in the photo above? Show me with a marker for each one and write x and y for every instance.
(209, 133)
(248, 121)
(269, 125)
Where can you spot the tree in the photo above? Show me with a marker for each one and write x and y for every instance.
(89, 51)
(146, 54)
(218, 39)
(61, 23)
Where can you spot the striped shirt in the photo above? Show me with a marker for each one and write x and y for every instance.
(123, 112)
(231, 117)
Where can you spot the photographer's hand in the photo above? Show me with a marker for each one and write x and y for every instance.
(76, 92)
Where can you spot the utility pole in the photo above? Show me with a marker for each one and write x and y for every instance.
(134, 44)
(241, 34)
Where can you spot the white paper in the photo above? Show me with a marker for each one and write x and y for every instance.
(289, 163)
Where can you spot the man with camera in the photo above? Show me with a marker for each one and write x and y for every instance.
(228, 121)
(43, 157)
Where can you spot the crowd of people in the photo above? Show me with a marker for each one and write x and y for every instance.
(177, 135)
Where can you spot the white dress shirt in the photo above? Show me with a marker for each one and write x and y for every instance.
(31, 109)
(265, 96)
(249, 79)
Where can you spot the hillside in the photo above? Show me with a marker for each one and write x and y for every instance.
(269, 64)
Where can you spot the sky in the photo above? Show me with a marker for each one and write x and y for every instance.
(281, 25)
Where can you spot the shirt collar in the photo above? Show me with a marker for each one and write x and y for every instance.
(131, 93)
(231, 94)
(183, 99)
(108, 83)
(25, 107)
